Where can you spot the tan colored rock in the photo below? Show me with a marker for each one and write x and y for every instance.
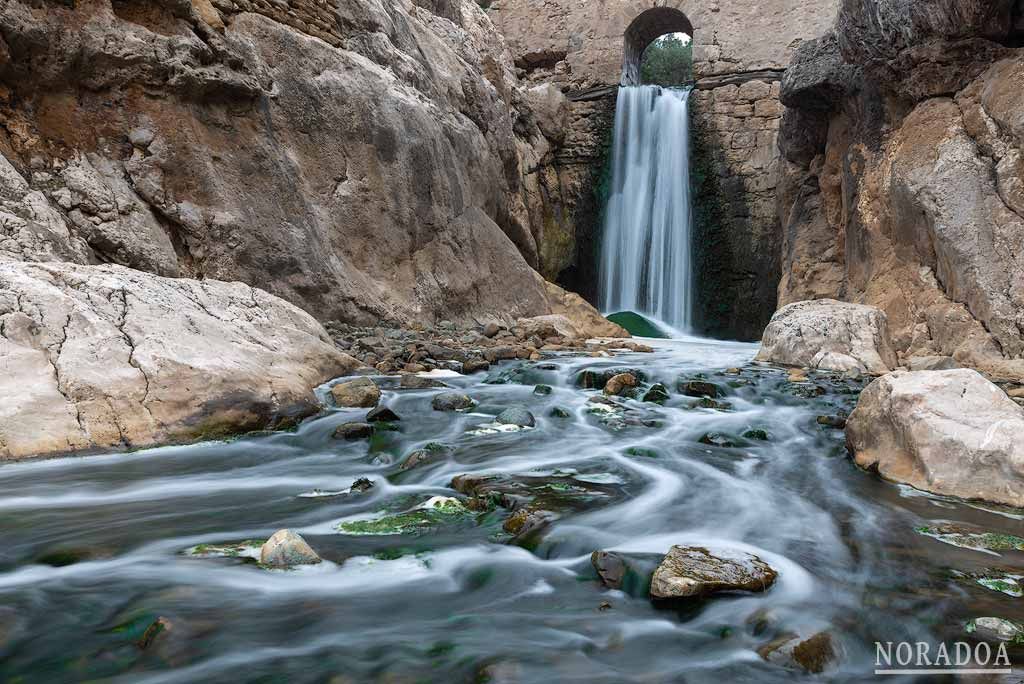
(104, 357)
(246, 145)
(617, 384)
(695, 571)
(286, 549)
(950, 432)
(583, 317)
(358, 393)
(829, 335)
(550, 325)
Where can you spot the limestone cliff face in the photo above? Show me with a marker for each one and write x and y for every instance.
(903, 184)
(365, 160)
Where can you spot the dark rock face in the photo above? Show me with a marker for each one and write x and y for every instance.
(818, 78)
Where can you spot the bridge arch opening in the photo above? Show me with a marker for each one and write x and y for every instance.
(649, 26)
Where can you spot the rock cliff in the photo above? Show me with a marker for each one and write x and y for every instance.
(366, 161)
(903, 185)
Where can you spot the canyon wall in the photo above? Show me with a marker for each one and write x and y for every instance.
(903, 179)
(368, 161)
(740, 53)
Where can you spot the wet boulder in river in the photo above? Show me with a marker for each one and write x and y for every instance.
(814, 654)
(516, 415)
(698, 388)
(688, 571)
(657, 394)
(617, 384)
(382, 414)
(358, 393)
(829, 335)
(352, 431)
(285, 549)
(949, 432)
(419, 382)
(452, 401)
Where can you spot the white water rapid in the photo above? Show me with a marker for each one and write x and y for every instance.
(646, 263)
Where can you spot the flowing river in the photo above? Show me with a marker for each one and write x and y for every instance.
(95, 549)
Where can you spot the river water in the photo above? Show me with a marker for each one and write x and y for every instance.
(94, 549)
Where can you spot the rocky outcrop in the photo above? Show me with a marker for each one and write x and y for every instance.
(695, 571)
(365, 161)
(949, 432)
(105, 357)
(829, 335)
(902, 185)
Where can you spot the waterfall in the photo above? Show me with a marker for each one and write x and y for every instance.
(646, 263)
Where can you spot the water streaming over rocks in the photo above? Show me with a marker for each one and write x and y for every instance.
(646, 252)
(142, 567)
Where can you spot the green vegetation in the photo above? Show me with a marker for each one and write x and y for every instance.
(668, 61)
(417, 520)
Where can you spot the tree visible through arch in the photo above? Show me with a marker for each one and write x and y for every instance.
(645, 29)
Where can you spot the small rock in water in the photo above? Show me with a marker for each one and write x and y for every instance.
(759, 435)
(353, 431)
(153, 632)
(363, 484)
(995, 629)
(814, 654)
(693, 571)
(618, 383)
(358, 393)
(542, 390)
(452, 401)
(382, 414)
(698, 388)
(516, 416)
(657, 394)
(424, 455)
(610, 567)
(474, 365)
(716, 439)
(285, 549)
(559, 412)
(838, 422)
(418, 382)
(525, 522)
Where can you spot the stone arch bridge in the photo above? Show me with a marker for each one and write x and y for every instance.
(587, 48)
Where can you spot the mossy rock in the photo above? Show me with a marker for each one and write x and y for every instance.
(433, 513)
(638, 325)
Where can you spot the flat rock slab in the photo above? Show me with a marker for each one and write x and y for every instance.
(690, 571)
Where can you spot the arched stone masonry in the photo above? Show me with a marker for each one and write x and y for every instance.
(649, 25)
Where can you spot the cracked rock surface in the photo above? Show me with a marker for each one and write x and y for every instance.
(105, 357)
(902, 180)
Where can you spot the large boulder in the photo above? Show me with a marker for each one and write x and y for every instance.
(950, 432)
(105, 357)
(829, 335)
